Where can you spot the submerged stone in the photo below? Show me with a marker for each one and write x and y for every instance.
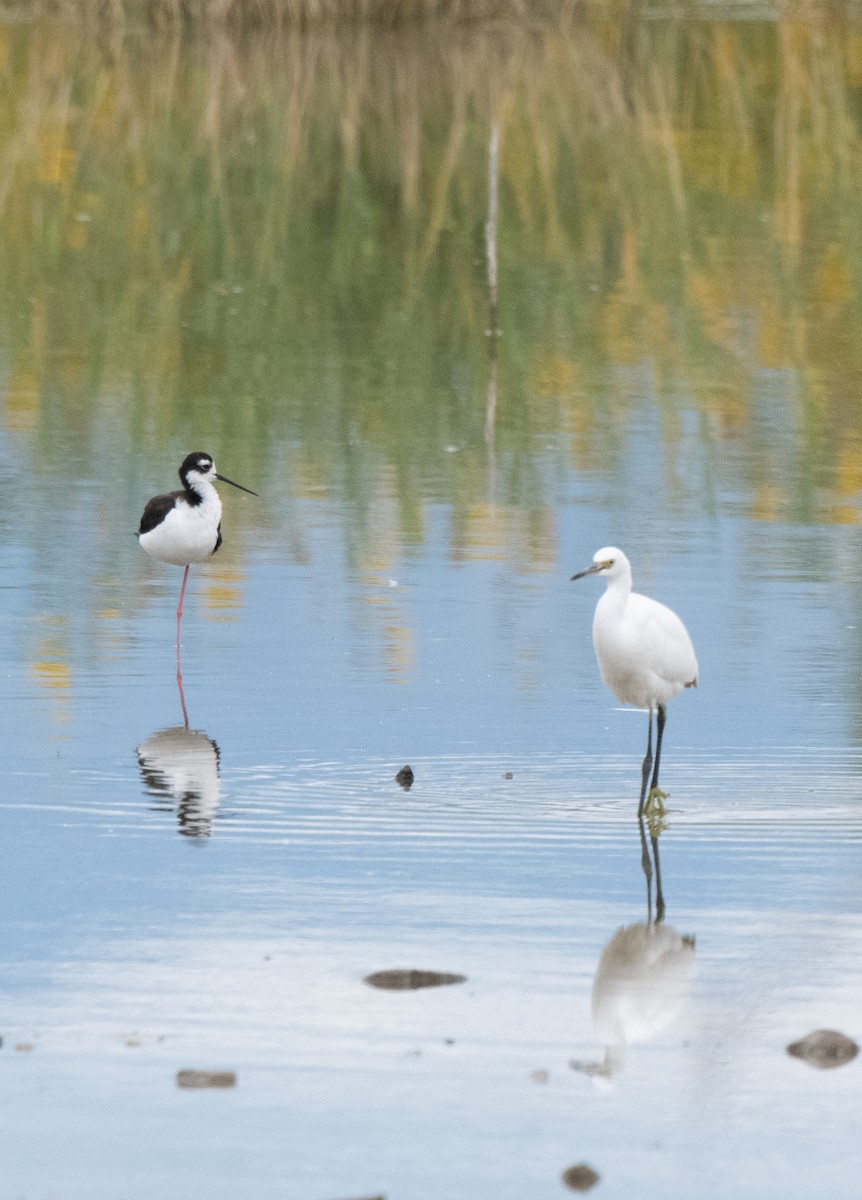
(206, 1079)
(408, 980)
(580, 1178)
(825, 1048)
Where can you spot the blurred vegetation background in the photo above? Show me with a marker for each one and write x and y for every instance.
(271, 239)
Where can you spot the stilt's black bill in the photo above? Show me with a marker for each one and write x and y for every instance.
(224, 479)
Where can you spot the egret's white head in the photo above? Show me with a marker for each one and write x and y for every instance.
(607, 561)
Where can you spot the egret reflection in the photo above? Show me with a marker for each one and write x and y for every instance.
(643, 978)
(180, 770)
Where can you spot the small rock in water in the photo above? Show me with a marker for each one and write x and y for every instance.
(24, 1047)
(206, 1079)
(540, 1075)
(402, 979)
(824, 1048)
(580, 1178)
(405, 777)
(509, 775)
(380, 1197)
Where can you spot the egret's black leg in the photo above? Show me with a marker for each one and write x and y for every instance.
(661, 718)
(655, 797)
(659, 898)
(645, 770)
(646, 865)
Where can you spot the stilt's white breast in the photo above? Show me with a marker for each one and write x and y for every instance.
(188, 533)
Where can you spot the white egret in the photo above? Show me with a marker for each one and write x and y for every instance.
(644, 653)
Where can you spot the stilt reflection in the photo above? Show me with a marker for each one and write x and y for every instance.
(643, 978)
(180, 770)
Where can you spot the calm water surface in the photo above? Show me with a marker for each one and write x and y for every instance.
(274, 250)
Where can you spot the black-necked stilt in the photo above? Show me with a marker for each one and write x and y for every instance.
(185, 526)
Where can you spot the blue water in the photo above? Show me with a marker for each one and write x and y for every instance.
(211, 894)
(133, 950)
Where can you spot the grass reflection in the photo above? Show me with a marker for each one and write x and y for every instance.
(279, 240)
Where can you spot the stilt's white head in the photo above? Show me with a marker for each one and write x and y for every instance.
(198, 468)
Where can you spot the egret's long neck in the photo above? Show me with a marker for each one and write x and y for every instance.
(618, 588)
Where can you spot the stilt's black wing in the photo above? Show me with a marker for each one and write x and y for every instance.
(156, 511)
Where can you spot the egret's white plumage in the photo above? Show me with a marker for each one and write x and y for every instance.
(643, 979)
(643, 649)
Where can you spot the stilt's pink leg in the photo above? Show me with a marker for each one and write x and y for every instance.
(179, 668)
(182, 693)
(182, 594)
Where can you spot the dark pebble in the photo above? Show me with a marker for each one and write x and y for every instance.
(405, 778)
(404, 980)
(206, 1079)
(580, 1178)
(825, 1048)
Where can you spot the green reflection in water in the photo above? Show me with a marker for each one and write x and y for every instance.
(275, 245)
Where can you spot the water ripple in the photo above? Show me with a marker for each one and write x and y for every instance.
(788, 795)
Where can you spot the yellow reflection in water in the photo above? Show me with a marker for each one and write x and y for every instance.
(848, 469)
(222, 592)
(767, 503)
(399, 650)
(21, 402)
(482, 539)
(274, 237)
(834, 282)
(56, 160)
(51, 673)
